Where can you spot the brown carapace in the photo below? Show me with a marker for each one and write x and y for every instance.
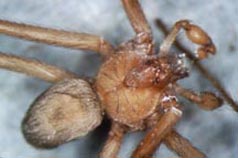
(135, 87)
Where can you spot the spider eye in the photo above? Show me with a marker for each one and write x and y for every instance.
(66, 111)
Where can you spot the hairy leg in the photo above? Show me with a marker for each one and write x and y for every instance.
(56, 37)
(34, 68)
(113, 143)
(194, 34)
(176, 142)
(205, 100)
(155, 136)
(181, 146)
(143, 41)
(204, 71)
(136, 16)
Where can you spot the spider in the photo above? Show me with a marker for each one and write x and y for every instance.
(135, 87)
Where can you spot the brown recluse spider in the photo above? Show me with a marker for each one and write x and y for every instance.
(136, 87)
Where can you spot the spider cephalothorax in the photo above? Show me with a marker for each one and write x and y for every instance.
(130, 82)
(135, 86)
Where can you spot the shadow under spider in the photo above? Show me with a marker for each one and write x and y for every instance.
(96, 140)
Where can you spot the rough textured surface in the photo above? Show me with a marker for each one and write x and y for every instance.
(215, 133)
(66, 111)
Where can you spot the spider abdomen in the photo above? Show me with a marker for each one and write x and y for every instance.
(68, 110)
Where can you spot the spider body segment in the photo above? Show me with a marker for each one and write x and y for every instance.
(131, 82)
(135, 86)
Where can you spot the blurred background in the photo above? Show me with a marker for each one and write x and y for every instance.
(215, 133)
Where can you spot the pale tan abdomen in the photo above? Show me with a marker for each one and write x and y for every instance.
(124, 104)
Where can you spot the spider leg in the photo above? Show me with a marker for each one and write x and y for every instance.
(205, 100)
(113, 143)
(34, 68)
(155, 136)
(180, 145)
(56, 37)
(205, 72)
(176, 142)
(136, 16)
(195, 34)
(143, 41)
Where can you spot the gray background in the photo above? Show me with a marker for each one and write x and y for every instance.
(215, 132)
